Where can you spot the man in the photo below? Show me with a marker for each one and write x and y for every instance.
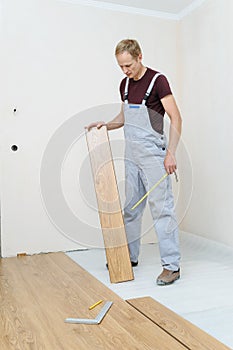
(146, 96)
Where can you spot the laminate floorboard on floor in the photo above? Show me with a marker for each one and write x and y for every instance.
(203, 295)
(37, 294)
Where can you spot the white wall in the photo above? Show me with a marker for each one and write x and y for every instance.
(59, 59)
(206, 80)
(60, 73)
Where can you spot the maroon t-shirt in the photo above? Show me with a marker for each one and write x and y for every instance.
(136, 93)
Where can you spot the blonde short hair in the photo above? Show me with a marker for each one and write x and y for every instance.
(129, 45)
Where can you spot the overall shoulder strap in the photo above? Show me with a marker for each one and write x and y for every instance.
(126, 91)
(150, 88)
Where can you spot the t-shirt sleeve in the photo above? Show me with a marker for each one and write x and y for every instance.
(162, 87)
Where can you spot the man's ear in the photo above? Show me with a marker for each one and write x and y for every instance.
(140, 57)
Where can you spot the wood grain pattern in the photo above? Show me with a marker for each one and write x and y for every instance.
(184, 331)
(110, 213)
(38, 292)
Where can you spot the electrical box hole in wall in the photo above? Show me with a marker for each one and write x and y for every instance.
(14, 148)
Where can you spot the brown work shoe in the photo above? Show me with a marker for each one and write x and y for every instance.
(168, 277)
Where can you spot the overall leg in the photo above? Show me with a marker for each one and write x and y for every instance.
(134, 190)
(162, 209)
(165, 223)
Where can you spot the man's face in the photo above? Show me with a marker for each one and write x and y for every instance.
(130, 66)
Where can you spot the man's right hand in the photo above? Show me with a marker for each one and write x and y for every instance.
(97, 125)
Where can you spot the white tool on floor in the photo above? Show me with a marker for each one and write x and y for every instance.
(96, 320)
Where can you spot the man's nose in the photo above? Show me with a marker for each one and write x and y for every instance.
(125, 70)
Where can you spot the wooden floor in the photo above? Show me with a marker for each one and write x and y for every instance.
(203, 295)
(184, 331)
(38, 292)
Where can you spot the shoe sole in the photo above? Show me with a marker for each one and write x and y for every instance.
(133, 264)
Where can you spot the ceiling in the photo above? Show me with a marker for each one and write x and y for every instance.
(168, 6)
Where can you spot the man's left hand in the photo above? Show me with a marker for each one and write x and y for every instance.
(170, 163)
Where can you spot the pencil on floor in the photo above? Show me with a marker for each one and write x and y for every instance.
(94, 305)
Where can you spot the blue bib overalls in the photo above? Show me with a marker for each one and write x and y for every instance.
(145, 150)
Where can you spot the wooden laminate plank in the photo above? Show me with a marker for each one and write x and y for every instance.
(110, 213)
(132, 326)
(184, 331)
(37, 294)
(22, 321)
